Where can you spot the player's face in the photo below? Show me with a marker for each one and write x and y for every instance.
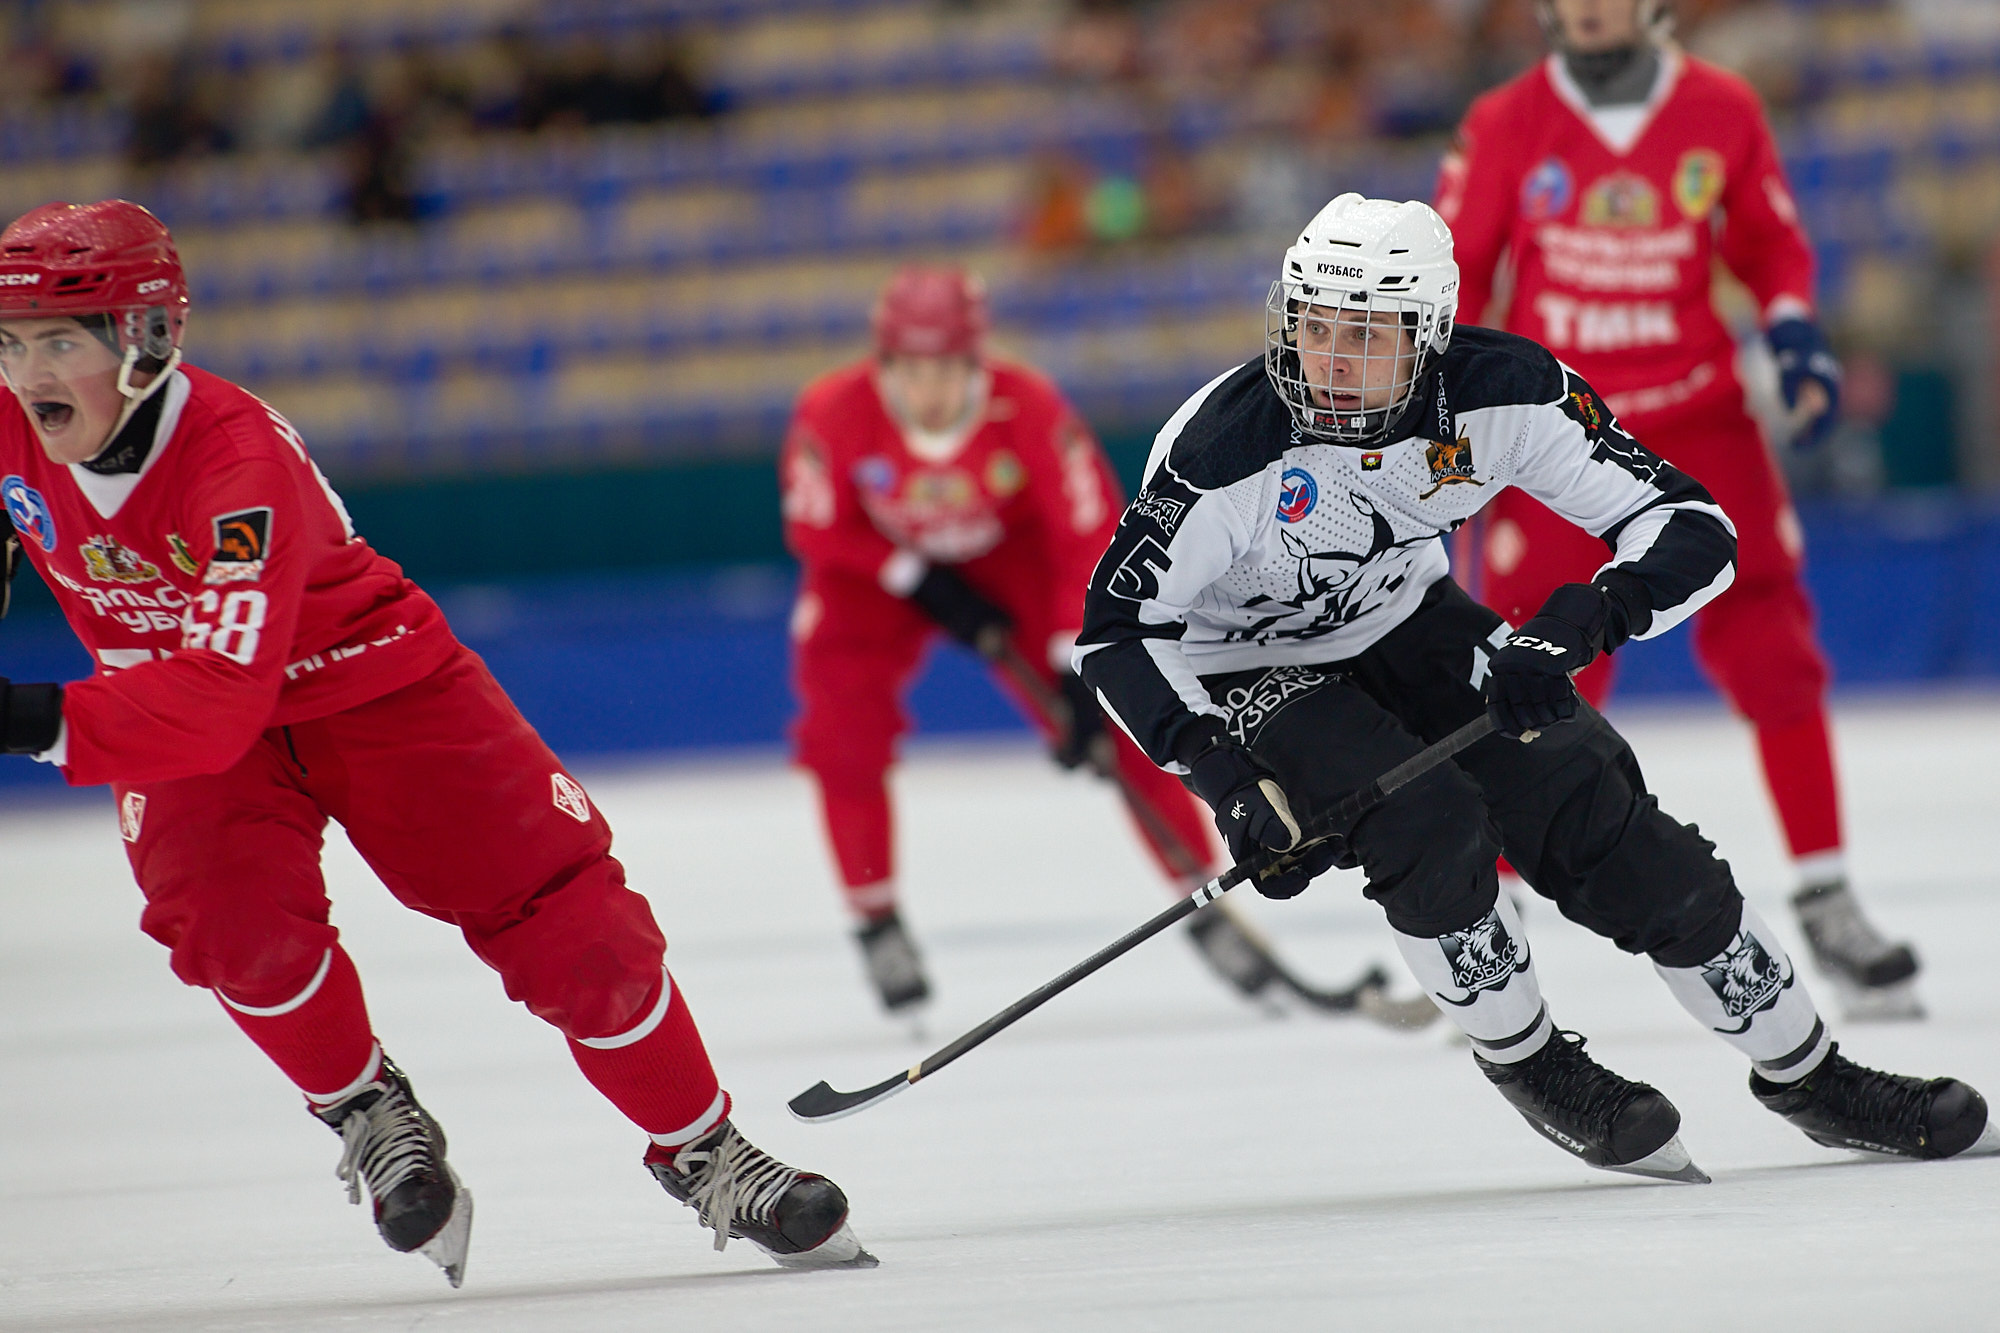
(1353, 360)
(1597, 25)
(930, 392)
(68, 382)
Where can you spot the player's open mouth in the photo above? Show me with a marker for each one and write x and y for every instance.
(52, 417)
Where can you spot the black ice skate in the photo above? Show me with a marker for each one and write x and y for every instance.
(1845, 1105)
(396, 1151)
(1873, 979)
(893, 964)
(1610, 1122)
(740, 1191)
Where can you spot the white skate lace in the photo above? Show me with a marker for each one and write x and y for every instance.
(733, 1182)
(382, 1146)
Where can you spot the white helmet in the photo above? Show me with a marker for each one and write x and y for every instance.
(1362, 256)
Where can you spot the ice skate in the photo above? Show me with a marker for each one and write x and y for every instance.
(1235, 955)
(395, 1151)
(1845, 1105)
(740, 1191)
(1610, 1122)
(893, 964)
(1873, 979)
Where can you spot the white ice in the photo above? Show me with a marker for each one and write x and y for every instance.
(1145, 1153)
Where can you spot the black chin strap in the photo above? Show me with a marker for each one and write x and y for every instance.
(1622, 76)
(129, 448)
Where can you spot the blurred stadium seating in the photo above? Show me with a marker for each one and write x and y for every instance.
(456, 240)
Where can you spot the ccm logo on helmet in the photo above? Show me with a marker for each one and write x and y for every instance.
(19, 279)
(1339, 270)
(147, 288)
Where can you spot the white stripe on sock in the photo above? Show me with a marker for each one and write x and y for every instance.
(369, 1072)
(697, 1127)
(297, 1001)
(646, 1025)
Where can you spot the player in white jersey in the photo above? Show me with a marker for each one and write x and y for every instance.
(1275, 619)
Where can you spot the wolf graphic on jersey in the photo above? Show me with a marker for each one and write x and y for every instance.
(1343, 584)
(1483, 956)
(1746, 979)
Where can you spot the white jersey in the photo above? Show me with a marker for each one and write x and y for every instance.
(1250, 545)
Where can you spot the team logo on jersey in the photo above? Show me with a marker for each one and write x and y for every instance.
(183, 558)
(1371, 462)
(1547, 190)
(108, 562)
(569, 797)
(1298, 493)
(131, 815)
(1698, 182)
(875, 474)
(1621, 199)
(29, 512)
(1451, 465)
(1004, 474)
(242, 541)
(1746, 979)
(1165, 513)
(1585, 409)
(1483, 956)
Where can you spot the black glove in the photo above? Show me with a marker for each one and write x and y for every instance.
(1528, 688)
(10, 556)
(962, 612)
(1252, 813)
(30, 717)
(1803, 355)
(1082, 734)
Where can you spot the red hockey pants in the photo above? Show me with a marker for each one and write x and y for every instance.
(1755, 642)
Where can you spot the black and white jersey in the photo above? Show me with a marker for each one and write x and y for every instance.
(1250, 545)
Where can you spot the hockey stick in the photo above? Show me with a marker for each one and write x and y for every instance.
(1366, 995)
(822, 1102)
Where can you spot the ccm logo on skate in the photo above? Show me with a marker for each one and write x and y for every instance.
(570, 798)
(1538, 645)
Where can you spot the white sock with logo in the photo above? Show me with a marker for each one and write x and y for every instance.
(1484, 981)
(1751, 996)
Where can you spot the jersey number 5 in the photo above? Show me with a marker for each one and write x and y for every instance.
(228, 625)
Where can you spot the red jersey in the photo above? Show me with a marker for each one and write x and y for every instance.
(221, 588)
(1612, 218)
(1026, 484)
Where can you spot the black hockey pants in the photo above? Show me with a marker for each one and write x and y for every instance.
(1570, 809)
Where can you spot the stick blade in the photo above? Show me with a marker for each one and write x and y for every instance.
(821, 1102)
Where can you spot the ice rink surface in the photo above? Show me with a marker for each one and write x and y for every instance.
(1148, 1152)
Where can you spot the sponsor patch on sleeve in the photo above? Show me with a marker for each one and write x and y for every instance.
(242, 543)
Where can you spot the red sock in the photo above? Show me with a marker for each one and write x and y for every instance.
(856, 814)
(1798, 769)
(320, 1035)
(657, 1072)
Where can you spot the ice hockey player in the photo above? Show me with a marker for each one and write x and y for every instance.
(1612, 177)
(930, 487)
(261, 670)
(1287, 546)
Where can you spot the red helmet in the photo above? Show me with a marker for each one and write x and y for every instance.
(111, 257)
(930, 312)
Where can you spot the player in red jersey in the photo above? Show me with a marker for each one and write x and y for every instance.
(261, 670)
(930, 487)
(1608, 180)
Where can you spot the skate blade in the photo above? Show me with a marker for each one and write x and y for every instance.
(840, 1250)
(447, 1248)
(1894, 1003)
(1669, 1161)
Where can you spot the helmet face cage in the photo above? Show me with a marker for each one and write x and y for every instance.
(1392, 359)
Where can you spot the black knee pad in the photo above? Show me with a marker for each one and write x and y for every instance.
(1658, 889)
(1429, 851)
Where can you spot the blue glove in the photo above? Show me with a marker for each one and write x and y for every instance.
(1803, 355)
